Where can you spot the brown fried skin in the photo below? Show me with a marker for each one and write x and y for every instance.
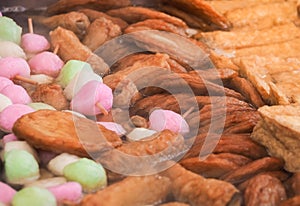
(62, 132)
(133, 191)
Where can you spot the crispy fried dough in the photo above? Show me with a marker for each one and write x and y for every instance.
(133, 191)
(74, 21)
(194, 189)
(63, 132)
(215, 165)
(100, 31)
(174, 204)
(270, 14)
(264, 189)
(136, 14)
(246, 39)
(155, 24)
(62, 6)
(51, 94)
(71, 48)
(93, 15)
(253, 168)
(203, 10)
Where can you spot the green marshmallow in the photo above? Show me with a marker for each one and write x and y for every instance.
(9, 30)
(20, 167)
(34, 196)
(69, 71)
(40, 105)
(88, 173)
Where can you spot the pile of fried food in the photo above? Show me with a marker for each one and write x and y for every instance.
(254, 47)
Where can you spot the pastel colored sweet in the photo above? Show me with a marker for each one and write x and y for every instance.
(9, 138)
(10, 114)
(113, 127)
(12, 66)
(165, 119)
(70, 192)
(20, 167)
(7, 193)
(58, 163)
(11, 49)
(34, 43)
(46, 63)
(17, 94)
(34, 196)
(4, 82)
(69, 71)
(81, 78)
(9, 30)
(89, 95)
(140, 133)
(48, 182)
(88, 173)
(20, 145)
(42, 78)
(40, 105)
(4, 102)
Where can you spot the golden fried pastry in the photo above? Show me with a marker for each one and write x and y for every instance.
(63, 132)
(133, 191)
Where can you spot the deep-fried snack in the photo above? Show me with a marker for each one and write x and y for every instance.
(100, 31)
(245, 87)
(191, 20)
(155, 24)
(195, 190)
(294, 201)
(71, 48)
(253, 168)
(51, 94)
(136, 14)
(271, 14)
(220, 61)
(133, 191)
(240, 144)
(203, 10)
(279, 132)
(127, 61)
(174, 204)
(74, 21)
(93, 15)
(264, 189)
(63, 132)
(215, 165)
(62, 6)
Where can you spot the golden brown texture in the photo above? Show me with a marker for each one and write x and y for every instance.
(71, 48)
(93, 15)
(100, 31)
(264, 190)
(133, 191)
(294, 201)
(136, 14)
(63, 132)
(74, 21)
(195, 190)
(51, 94)
(62, 6)
(156, 24)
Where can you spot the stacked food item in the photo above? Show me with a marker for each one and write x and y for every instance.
(130, 109)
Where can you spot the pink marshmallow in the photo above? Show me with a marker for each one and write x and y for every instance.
(16, 94)
(89, 95)
(12, 66)
(9, 138)
(6, 193)
(46, 63)
(34, 43)
(0, 14)
(11, 114)
(70, 192)
(165, 119)
(4, 82)
(113, 127)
